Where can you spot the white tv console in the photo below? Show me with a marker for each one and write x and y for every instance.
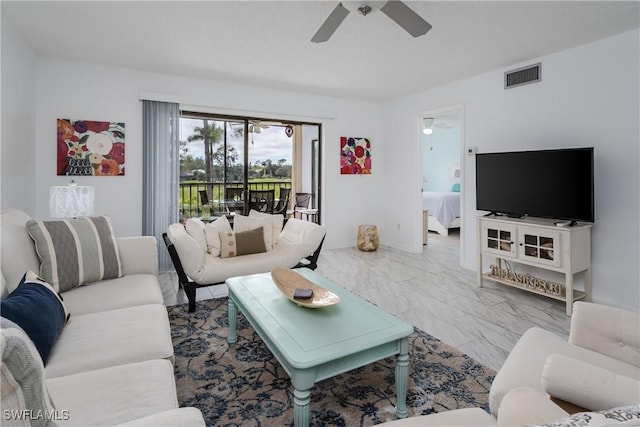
(539, 243)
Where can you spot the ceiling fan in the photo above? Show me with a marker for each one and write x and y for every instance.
(256, 126)
(428, 123)
(399, 12)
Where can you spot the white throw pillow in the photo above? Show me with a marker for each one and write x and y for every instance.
(277, 222)
(195, 229)
(211, 232)
(622, 416)
(245, 223)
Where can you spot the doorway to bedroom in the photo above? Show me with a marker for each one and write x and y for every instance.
(441, 159)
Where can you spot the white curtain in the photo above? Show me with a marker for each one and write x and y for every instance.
(161, 172)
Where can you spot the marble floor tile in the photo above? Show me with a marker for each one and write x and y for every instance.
(430, 290)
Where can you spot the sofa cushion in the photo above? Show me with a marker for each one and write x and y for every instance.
(212, 234)
(245, 223)
(111, 338)
(179, 417)
(470, 417)
(112, 294)
(109, 396)
(23, 384)
(242, 243)
(607, 330)
(38, 310)
(77, 251)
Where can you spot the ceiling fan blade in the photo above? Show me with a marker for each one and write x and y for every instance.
(402, 15)
(331, 24)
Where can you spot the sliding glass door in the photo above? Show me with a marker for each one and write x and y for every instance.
(222, 158)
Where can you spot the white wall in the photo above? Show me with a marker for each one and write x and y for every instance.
(87, 91)
(18, 178)
(589, 96)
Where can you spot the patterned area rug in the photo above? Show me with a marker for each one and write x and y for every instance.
(244, 385)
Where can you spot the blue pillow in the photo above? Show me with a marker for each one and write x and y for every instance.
(38, 310)
(456, 187)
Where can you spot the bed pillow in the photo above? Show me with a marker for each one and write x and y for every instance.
(242, 242)
(76, 251)
(36, 307)
(23, 383)
(212, 234)
(455, 187)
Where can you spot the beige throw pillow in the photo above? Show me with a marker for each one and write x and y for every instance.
(212, 234)
(242, 243)
(277, 222)
(245, 223)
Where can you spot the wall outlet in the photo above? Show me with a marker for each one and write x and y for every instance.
(472, 151)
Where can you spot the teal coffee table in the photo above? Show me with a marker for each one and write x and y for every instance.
(313, 344)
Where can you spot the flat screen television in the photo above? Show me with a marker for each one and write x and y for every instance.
(544, 183)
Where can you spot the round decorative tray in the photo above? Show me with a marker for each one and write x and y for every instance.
(288, 281)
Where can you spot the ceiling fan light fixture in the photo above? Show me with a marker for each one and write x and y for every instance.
(363, 7)
(427, 123)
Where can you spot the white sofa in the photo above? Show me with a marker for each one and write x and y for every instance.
(296, 244)
(545, 379)
(112, 362)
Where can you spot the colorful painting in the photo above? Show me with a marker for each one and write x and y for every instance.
(90, 148)
(355, 156)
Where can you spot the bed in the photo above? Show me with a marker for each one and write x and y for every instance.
(444, 210)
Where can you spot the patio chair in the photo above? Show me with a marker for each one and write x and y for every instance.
(262, 200)
(283, 202)
(302, 203)
(233, 199)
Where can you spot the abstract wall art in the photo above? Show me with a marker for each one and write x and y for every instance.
(355, 156)
(88, 147)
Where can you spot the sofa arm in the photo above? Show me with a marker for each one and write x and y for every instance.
(607, 330)
(179, 417)
(138, 255)
(190, 253)
(524, 406)
(587, 385)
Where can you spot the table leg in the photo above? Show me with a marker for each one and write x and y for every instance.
(301, 407)
(402, 379)
(233, 316)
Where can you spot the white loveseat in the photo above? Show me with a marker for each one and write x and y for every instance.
(112, 362)
(545, 379)
(196, 253)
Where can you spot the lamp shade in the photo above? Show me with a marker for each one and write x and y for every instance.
(70, 201)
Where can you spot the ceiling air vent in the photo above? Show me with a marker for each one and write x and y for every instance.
(523, 76)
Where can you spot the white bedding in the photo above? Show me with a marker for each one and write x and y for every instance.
(444, 205)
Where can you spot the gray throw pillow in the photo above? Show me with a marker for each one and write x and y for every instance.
(76, 251)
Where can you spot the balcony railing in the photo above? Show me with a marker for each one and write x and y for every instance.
(190, 201)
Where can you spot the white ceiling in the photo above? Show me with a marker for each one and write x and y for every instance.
(267, 43)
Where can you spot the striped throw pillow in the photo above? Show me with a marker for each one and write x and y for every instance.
(76, 251)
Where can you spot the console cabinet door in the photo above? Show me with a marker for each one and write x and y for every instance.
(539, 246)
(499, 239)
